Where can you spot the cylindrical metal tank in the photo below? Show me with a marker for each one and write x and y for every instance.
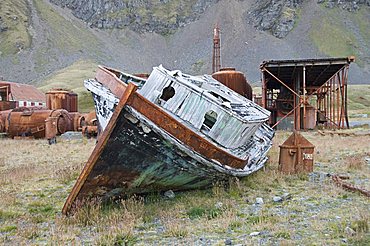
(27, 122)
(62, 99)
(32, 121)
(235, 80)
(3, 120)
(73, 102)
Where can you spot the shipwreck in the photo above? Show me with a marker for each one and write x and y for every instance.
(169, 131)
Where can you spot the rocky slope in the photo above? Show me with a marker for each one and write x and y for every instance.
(164, 16)
(38, 37)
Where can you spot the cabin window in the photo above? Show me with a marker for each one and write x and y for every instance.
(210, 119)
(167, 93)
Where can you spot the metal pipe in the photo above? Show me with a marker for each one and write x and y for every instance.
(338, 101)
(334, 98)
(263, 90)
(304, 97)
(345, 98)
(298, 102)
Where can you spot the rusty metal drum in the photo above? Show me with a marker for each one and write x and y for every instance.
(235, 80)
(27, 121)
(62, 99)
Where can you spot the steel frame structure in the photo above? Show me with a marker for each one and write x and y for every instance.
(317, 84)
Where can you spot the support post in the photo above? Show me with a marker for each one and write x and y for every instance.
(263, 89)
(304, 97)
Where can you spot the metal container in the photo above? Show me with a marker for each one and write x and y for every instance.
(73, 102)
(32, 121)
(6, 105)
(3, 121)
(62, 99)
(309, 118)
(78, 120)
(27, 121)
(296, 155)
(235, 80)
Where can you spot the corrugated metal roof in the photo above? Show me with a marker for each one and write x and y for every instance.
(24, 92)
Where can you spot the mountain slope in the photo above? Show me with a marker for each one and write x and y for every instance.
(46, 37)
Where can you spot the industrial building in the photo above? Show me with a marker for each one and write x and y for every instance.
(306, 93)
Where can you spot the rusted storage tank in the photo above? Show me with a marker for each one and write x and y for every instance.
(27, 121)
(30, 121)
(3, 120)
(235, 80)
(62, 99)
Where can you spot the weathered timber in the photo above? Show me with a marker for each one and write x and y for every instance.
(148, 145)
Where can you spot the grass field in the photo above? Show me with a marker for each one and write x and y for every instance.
(35, 180)
(15, 17)
(72, 78)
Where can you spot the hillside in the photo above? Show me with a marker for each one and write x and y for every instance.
(39, 37)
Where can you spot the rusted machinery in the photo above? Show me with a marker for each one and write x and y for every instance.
(62, 99)
(296, 155)
(90, 125)
(3, 124)
(59, 117)
(235, 80)
(39, 122)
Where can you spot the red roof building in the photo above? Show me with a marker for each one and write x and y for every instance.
(20, 95)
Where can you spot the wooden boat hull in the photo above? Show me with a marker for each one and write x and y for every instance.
(143, 149)
(137, 160)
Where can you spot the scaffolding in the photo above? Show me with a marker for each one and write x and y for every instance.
(303, 94)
